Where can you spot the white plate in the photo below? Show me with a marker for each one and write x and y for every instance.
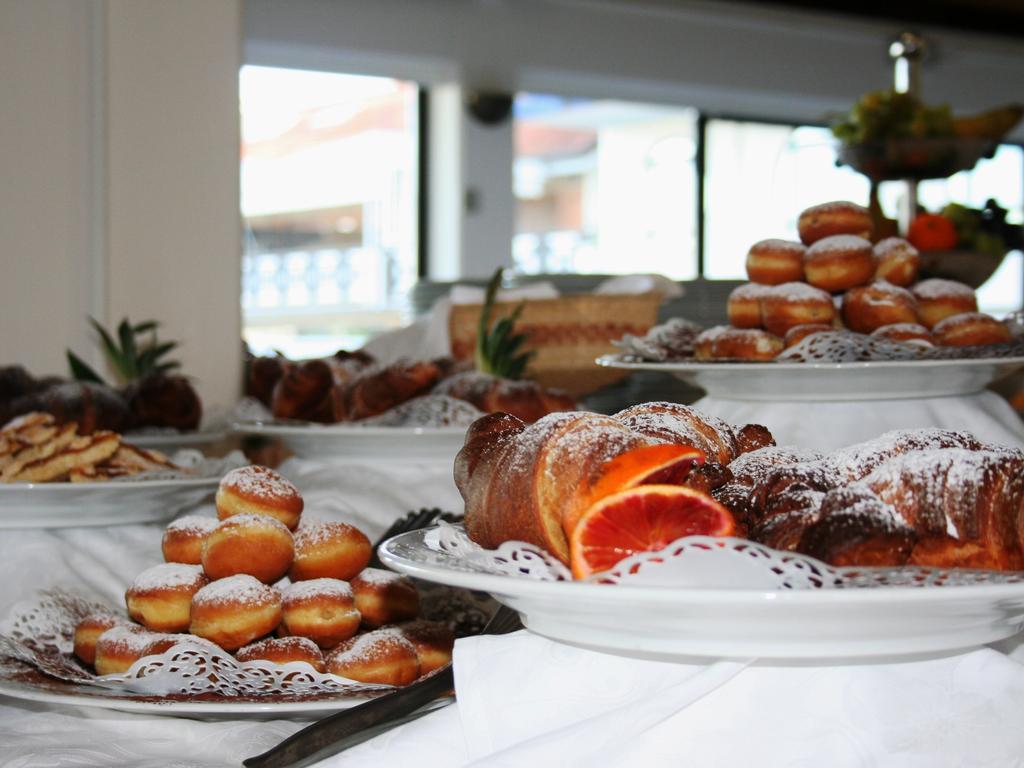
(82, 696)
(682, 623)
(169, 442)
(62, 505)
(870, 380)
(320, 441)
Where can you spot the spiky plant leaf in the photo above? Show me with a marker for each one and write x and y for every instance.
(497, 346)
(135, 353)
(80, 370)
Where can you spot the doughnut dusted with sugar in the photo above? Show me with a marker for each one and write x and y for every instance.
(233, 612)
(183, 538)
(868, 307)
(122, 645)
(382, 656)
(88, 630)
(839, 262)
(798, 333)
(385, 597)
(938, 299)
(160, 597)
(791, 304)
(723, 342)
(896, 261)
(905, 332)
(323, 610)
(840, 217)
(328, 549)
(284, 650)
(433, 642)
(258, 545)
(260, 491)
(744, 305)
(772, 262)
(970, 329)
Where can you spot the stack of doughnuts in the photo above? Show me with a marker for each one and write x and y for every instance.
(262, 583)
(836, 278)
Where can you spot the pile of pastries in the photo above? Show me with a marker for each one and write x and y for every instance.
(353, 387)
(35, 448)
(263, 584)
(835, 279)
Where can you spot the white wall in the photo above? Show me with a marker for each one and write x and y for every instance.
(119, 144)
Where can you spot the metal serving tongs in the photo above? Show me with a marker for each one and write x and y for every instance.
(349, 727)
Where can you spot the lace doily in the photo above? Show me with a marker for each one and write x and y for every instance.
(698, 562)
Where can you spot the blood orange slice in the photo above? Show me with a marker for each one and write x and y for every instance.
(642, 519)
(662, 464)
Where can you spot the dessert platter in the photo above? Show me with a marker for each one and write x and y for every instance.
(258, 611)
(836, 316)
(52, 476)
(662, 532)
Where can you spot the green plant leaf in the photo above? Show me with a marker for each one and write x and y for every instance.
(80, 370)
(164, 367)
(110, 347)
(151, 355)
(144, 326)
(127, 337)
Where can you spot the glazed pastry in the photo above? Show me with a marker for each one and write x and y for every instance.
(183, 538)
(835, 218)
(791, 304)
(261, 491)
(160, 597)
(970, 329)
(323, 610)
(233, 612)
(744, 305)
(284, 650)
(773, 262)
(257, 545)
(433, 642)
(868, 307)
(327, 549)
(938, 299)
(723, 342)
(384, 597)
(383, 656)
(896, 261)
(839, 262)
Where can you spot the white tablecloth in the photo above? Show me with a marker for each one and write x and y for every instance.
(524, 700)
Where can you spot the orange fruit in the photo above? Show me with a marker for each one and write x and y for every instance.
(645, 518)
(932, 232)
(661, 464)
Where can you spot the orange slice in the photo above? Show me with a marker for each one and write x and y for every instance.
(645, 518)
(662, 464)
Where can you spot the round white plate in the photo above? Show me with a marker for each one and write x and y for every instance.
(870, 380)
(682, 623)
(169, 442)
(321, 441)
(65, 505)
(83, 696)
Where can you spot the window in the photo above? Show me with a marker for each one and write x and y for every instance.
(604, 187)
(329, 200)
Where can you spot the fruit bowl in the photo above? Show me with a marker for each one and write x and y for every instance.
(918, 159)
(972, 268)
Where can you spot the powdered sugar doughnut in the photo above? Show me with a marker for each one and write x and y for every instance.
(938, 299)
(88, 630)
(868, 307)
(323, 610)
(773, 262)
(258, 545)
(161, 597)
(233, 612)
(383, 656)
(384, 597)
(790, 304)
(744, 305)
(970, 329)
(122, 645)
(328, 549)
(905, 332)
(284, 650)
(836, 218)
(896, 261)
(433, 642)
(183, 538)
(723, 342)
(798, 333)
(261, 491)
(839, 262)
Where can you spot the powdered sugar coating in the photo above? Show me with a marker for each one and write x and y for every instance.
(259, 482)
(241, 589)
(938, 288)
(312, 589)
(776, 245)
(252, 520)
(894, 247)
(313, 533)
(168, 576)
(198, 525)
(833, 244)
(381, 577)
(797, 292)
(291, 644)
(749, 291)
(372, 647)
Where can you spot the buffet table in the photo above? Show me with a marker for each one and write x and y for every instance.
(523, 699)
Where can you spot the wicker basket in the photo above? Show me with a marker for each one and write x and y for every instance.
(567, 334)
